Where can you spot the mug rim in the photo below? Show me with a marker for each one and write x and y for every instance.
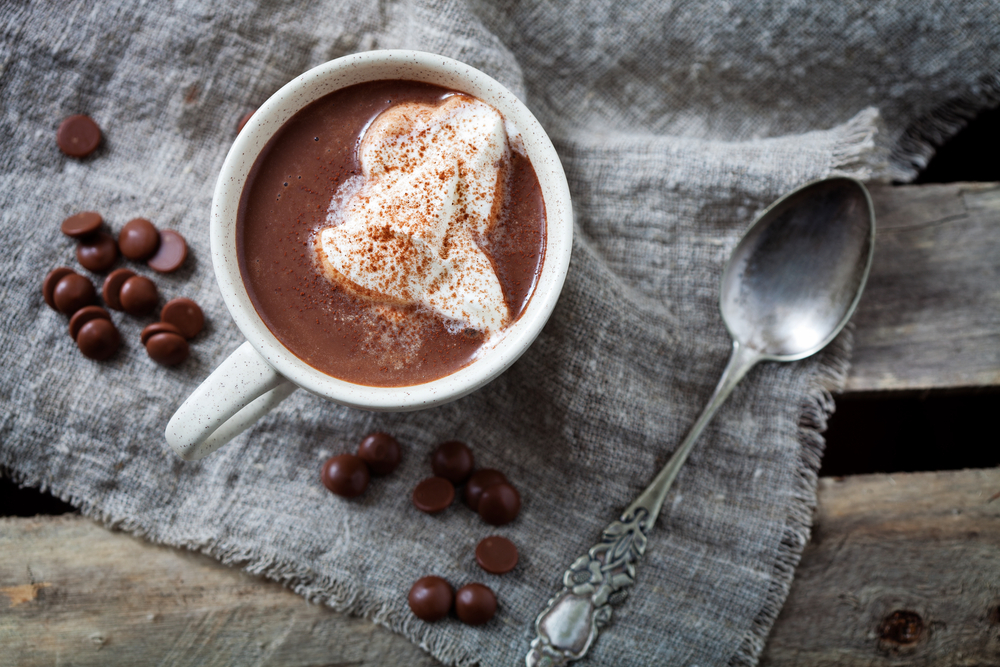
(387, 65)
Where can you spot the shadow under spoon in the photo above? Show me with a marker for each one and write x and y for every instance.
(790, 286)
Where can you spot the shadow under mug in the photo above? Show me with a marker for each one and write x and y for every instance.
(261, 373)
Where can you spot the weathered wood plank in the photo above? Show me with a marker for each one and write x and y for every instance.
(72, 592)
(930, 315)
(927, 543)
(923, 543)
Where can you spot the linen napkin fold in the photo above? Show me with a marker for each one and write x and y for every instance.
(676, 123)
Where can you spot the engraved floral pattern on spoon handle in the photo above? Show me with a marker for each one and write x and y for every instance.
(570, 622)
(593, 583)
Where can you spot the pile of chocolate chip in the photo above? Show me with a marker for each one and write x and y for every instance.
(487, 492)
(348, 475)
(90, 325)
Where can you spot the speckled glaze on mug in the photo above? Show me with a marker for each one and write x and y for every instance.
(262, 372)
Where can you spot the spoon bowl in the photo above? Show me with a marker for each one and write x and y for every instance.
(797, 274)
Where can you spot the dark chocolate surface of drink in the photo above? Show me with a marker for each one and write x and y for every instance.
(284, 204)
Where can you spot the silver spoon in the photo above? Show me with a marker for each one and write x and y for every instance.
(788, 289)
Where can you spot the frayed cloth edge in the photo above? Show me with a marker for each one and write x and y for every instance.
(854, 152)
(920, 141)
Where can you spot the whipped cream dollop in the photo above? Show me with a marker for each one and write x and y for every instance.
(409, 230)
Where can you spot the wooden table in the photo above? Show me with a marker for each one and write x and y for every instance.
(902, 569)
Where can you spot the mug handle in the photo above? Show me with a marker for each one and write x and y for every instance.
(239, 392)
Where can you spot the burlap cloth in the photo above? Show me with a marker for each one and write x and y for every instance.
(675, 123)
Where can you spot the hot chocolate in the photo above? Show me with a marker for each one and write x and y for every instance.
(389, 230)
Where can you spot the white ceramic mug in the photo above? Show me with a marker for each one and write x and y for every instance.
(262, 372)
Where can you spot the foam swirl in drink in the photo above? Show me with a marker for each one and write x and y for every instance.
(410, 229)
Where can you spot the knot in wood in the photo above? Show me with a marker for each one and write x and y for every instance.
(901, 627)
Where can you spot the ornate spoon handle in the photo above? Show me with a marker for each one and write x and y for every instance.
(568, 626)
